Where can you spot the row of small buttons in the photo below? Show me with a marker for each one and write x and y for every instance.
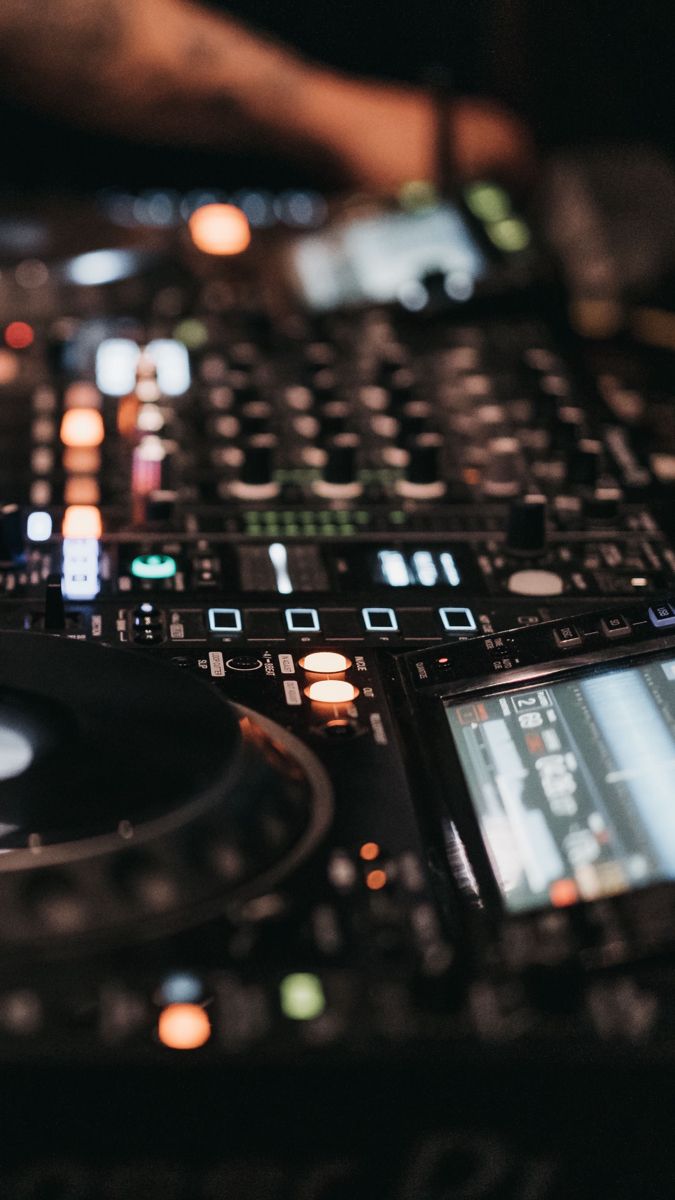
(307, 620)
(614, 625)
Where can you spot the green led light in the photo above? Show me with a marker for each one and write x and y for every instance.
(154, 566)
(398, 517)
(417, 194)
(511, 234)
(192, 333)
(487, 202)
(302, 997)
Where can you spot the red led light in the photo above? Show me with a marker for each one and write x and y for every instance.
(19, 335)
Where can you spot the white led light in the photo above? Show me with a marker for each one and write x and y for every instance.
(302, 620)
(394, 569)
(100, 266)
(80, 578)
(450, 569)
(279, 559)
(425, 568)
(116, 361)
(225, 620)
(457, 620)
(39, 527)
(173, 365)
(380, 620)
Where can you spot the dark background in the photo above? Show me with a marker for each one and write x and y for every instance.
(579, 70)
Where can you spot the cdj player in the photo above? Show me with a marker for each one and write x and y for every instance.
(337, 710)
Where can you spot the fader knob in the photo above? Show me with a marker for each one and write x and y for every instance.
(504, 470)
(258, 464)
(527, 525)
(584, 463)
(11, 534)
(424, 458)
(341, 458)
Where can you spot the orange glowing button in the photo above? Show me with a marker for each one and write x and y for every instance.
(332, 691)
(183, 1027)
(81, 460)
(19, 335)
(325, 662)
(82, 521)
(81, 395)
(82, 427)
(563, 893)
(376, 880)
(219, 229)
(82, 490)
(369, 851)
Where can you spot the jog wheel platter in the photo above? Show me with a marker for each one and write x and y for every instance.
(133, 798)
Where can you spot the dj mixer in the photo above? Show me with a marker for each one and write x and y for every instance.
(337, 634)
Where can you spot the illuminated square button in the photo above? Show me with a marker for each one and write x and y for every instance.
(225, 620)
(662, 616)
(302, 620)
(379, 620)
(457, 620)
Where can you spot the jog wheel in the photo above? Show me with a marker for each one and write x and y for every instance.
(134, 800)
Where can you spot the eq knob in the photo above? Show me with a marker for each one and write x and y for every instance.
(341, 452)
(424, 458)
(584, 463)
(526, 532)
(412, 420)
(254, 417)
(504, 470)
(334, 418)
(258, 464)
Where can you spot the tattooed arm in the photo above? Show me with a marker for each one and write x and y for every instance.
(172, 71)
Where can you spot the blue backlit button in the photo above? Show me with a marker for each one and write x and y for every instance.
(457, 620)
(225, 620)
(379, 620)
(302, 620)
(662, 616)
(615, 625)
(567, 636)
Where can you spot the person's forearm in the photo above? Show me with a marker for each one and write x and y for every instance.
(156, 70)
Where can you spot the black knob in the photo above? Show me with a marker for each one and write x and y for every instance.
(334, 418)
(341, 458)
(424, 462)
(527, 525)
(412, 420)
(503, 472)
(584, 463)
(160, 505)
(401, 386)
(258, 464)
(244, 387)
(11, 534)
(55, 612)
(255, 417)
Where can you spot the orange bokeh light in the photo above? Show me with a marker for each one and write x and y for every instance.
(183, 1027)
(82, 521)
(563, 892)
(19, 335)
(376, 880)
(82, 427)
(369, 851)
(219, 229)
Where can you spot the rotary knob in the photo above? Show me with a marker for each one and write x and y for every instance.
(527, 525)
(584, 463)
(258, 464)
(341, 458)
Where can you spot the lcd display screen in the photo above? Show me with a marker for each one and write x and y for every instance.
(384, 257)
(573, 783)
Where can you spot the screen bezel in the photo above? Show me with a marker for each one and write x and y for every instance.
(450, 789)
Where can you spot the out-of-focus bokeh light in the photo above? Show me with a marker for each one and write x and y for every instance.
(220, 229)
(82, 427)
(510, 235)
(82, 521)
(9, 367)
(183, 1027)
(302, 996)
(19, 335)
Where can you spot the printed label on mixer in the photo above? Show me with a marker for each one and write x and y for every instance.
(216, 664)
